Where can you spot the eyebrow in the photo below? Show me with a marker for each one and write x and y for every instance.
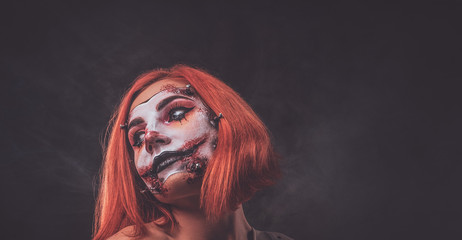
(135, 122)
(166, 101)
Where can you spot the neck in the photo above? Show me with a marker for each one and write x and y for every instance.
(192, 223)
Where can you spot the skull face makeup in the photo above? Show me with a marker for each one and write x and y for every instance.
(171, 134)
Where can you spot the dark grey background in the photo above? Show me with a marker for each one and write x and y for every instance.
(362, 99)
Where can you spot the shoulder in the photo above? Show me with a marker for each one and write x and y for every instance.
(262, 235)
(129, 233)
(124, 234)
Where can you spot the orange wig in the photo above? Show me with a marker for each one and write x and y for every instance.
(244, 160)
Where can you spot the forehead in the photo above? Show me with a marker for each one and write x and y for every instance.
(157, 87)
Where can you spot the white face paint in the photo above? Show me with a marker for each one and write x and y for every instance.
(171, 133)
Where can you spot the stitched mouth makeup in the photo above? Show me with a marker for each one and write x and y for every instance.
(167, 158)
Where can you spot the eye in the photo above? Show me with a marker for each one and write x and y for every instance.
(138, 139)
(178, 113)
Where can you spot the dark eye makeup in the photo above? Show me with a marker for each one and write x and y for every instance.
(177, 111)
(138, 139)
(178, 114)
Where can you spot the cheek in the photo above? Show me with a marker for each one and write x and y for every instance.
(136, 157)
(140, 160)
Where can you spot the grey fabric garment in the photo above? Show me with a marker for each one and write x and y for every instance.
(261, 235)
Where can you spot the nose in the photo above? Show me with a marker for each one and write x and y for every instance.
(154, 139)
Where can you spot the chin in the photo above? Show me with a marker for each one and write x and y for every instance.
(178, 187)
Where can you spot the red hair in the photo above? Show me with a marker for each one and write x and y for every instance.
(244, 160)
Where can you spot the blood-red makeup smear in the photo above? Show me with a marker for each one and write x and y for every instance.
(142, 171)
(191, 143)
(167, 87)
(170, 88)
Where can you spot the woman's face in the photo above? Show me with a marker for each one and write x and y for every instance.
(172, 137)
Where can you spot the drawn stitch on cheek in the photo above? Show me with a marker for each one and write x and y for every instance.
(196, 168)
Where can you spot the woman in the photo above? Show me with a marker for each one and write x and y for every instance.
(184, 152)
